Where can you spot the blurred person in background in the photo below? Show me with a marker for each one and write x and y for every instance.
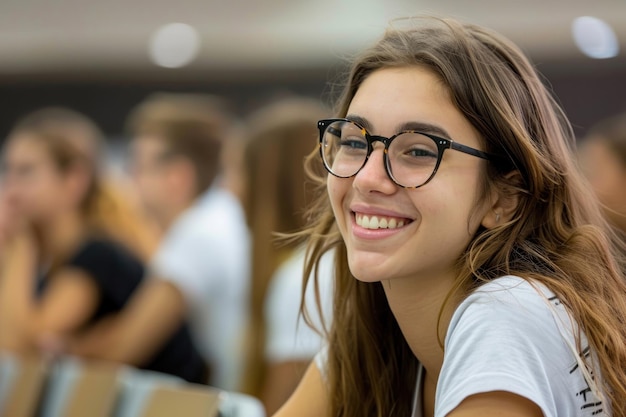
(603, 159)
(71, 249)
(281, 346)
(232, 176)
(201, 267)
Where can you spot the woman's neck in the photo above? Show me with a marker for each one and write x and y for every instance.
(170, 213)
(60, 237)
(417, 307)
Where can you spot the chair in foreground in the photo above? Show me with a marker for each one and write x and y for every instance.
(79, 388)
(21, 383)
(150, 394)
(72, 387)
(240, 405)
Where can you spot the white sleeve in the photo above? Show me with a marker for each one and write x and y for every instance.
(289, 338)
(505, 337)
(185, 259)
(321, 361)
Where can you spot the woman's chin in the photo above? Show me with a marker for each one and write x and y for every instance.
(368, 279)
(369, 271)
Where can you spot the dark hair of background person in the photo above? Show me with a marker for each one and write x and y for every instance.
(280, 136)
(74, 140)
(191, 125)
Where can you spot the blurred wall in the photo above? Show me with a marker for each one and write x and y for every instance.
(587, 89)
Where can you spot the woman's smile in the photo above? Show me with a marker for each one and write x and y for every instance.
(377, 223)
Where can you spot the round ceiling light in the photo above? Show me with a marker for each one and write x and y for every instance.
(595, 37)
(174, 45)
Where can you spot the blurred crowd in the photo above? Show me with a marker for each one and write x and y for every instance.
(190, 264)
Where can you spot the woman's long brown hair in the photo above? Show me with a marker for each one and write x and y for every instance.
(557, 235)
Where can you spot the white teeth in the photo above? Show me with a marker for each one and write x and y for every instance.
(375, 222)
(363, 221)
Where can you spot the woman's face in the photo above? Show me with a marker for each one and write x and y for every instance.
(32, 183)
(433, 224)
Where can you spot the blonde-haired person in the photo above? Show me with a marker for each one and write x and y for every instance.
(72, 250)
(603, 156)
(475, 276)
(280, 136)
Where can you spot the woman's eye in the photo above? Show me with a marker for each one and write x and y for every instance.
(421, 153)
(353, 143)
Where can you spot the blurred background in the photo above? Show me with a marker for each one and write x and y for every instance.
(211, 190)
(102, 58)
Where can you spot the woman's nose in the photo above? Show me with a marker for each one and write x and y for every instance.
(373, 175)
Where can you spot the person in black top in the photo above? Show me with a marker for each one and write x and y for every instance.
(71, 251)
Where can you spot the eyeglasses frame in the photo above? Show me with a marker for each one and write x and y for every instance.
(442, 145)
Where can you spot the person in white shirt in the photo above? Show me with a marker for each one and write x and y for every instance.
(205, 255)
(289, 338)
(280, 344)
(201, 267)
(475, 275)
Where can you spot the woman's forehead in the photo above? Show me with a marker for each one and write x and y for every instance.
(392, 99)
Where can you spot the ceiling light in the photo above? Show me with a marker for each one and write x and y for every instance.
(595, 37)
(174, 45)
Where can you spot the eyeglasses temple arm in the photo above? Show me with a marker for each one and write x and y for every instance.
(471, 151)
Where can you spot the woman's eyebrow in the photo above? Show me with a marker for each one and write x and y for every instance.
(425, 128)
(362, 121)
(413, 125)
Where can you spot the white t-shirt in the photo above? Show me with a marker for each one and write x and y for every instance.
(511, 335)
(206, 255)
(289, 338)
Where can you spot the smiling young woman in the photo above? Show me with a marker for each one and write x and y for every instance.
(475, 276)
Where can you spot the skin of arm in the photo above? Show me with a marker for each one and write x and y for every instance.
(132, 336)
(310, 398)
(281, 381)
(17, 269)
(71, 297)
(496, 403)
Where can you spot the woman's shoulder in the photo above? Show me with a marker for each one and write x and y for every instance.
(96, 248)
(511, 292)
(215, 223)
(102, 256)
(216, 207)
(511, 301)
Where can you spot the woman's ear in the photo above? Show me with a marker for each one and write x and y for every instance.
(504, 200)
